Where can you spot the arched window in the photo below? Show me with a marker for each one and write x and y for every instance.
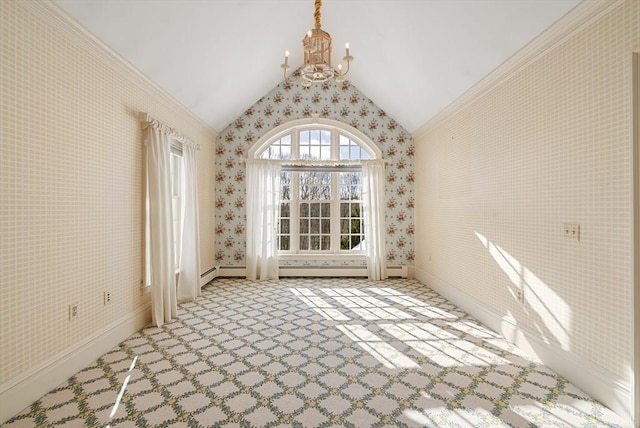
(321, 193)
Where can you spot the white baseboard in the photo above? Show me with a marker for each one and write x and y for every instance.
(21, 391)
(593, 379)
(320, 271)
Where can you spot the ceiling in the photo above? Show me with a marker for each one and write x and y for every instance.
(412, 58)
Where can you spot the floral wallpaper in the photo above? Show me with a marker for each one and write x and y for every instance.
(289, 101)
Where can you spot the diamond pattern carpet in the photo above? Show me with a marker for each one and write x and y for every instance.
(316, 352)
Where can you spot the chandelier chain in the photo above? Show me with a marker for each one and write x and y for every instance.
(316, 14)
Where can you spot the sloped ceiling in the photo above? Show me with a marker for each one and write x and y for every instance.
(412, 57)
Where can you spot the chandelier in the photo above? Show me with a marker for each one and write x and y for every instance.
(317, 55)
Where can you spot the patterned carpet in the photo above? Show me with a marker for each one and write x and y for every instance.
(316, 352)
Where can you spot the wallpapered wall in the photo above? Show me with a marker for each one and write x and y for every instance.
(290, 101)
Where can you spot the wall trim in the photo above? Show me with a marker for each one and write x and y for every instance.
(24, 389)
(321, 271)
(593, 379)
(55, 16)
(635, 142)
(573, 21)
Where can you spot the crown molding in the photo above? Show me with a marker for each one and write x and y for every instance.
(56, 17)
(573, 21)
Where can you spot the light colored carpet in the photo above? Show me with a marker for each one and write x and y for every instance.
(316, 352)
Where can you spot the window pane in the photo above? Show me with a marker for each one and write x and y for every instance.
(315, 210)
(325, 153)
(325, 137)
(326, 225)
(315, 243)
(355, 210)
(344, 210)
(344, 152)
(304, 137)
(304, 243)
(355, 226)
(315, 226)
(284, 226)
(304, 226)
(326, 243)
(285, 243)
(344, 226)
(304, 210)
(285, 210)
(315, 137)
(315, 152)
(326, 210)
(286, 140)
(285, 153)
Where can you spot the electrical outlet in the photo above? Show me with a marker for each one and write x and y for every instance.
(572, 231)
(73, 311)
(520, 295)
(107, 297)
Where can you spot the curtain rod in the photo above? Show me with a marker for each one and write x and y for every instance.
(146, 119)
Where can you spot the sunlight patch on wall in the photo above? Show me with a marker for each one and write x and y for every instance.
(553, 314)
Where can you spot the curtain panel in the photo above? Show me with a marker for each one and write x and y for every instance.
(159, 267)
(189, 278)
(263, 212)
(373, 206)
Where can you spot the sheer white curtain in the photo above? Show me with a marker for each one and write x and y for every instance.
(189, 278)
(373, 207)
(159, 266)
(263, 211)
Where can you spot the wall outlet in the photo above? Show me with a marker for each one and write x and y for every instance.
(107, 297)
(520, 295)
(572, 231)
(73, 311)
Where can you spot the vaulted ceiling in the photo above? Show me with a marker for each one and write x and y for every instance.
(412, 57)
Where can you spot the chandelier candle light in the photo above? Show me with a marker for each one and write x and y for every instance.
(317, 55)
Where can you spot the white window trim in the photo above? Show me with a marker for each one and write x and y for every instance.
(293, 128)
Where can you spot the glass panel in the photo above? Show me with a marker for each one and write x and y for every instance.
(344, 243)
(304, 243)
(285, 153)
(285, 210)
(304, 226)
(304, 137)
(315, 152)
(286, 140)
(326, 225)
(325, 153)
(344, 152)
(284, 226)
(344, 226)
(355, 152)
(326, 210)
(315, 210)
(364, 154)
(355, 226)
(304, 210)
(326, 243)
(315, 226)
(315, 136)
(325, 137)
(355, 241)
(285, 243)
(315, 243)
(355, 210)
(344, 210)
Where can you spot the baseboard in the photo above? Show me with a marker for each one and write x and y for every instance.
(596, 381)
(320, 271)
(28, 387)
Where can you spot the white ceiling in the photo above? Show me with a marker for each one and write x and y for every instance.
(412, 57)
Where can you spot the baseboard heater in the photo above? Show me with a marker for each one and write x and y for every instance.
(208, 275)
(320, 271)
